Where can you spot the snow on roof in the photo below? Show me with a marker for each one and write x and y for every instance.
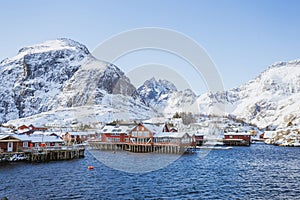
(170, 134)
(39, 138)
(154, 128)
(79, 133)
(199, 133)
(24, 130)
(46, 138)
(117, 128)
(3, 136)
(237, 133)
(22, 137)
(7, 135)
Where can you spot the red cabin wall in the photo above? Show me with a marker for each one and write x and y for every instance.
(16, 146)
(244, 137)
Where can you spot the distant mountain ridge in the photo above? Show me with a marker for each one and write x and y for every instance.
(45, 81)
(270, 98)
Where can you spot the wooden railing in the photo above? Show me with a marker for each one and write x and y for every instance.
(52, 148)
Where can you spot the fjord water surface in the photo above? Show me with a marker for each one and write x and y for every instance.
(256, 172)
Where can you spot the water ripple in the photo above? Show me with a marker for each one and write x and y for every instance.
(256, 172)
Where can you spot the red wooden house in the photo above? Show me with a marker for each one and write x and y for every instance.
(237, 138)
(29, 129)
(34, 140)
(24, 130)
(199, 138)
(9, 143)
(176, 138)
(115, 133)
(143, 133)
(33, 128)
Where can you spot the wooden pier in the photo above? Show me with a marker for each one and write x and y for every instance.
(236, 142)
(12, 156)
(54, 153)
(143, 148)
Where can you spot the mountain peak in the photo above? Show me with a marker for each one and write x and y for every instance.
(283, 63)
(60, 44)
(161, 86)
(164, 96)
(50, 45)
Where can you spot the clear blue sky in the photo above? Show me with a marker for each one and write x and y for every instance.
(243, 37)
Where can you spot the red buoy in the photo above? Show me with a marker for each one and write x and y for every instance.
(90, 167)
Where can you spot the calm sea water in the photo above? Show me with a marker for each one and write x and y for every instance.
(256, 172)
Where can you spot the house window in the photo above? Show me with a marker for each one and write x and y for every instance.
(134, 133)
(140, 134)
(25, 144)
(146, 133)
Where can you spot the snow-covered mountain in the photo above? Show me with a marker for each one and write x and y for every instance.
(163, 96)
(61, 74)
(60, 80)
(155, 92)
(272, 98)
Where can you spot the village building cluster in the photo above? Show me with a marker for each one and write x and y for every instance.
(144, 137)
(171, 136)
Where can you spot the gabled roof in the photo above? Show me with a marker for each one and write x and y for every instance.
(170, 135)
(79, 133)
(117, 128)
(23, 127)
(9, 137)
(153, 128)
(39, 138)
(25, 130)
(199, 133)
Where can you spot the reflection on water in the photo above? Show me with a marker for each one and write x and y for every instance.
(256, 172)
(134, 162)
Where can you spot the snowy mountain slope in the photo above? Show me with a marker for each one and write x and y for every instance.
(61, 74)
(163, 96)
(124, 108)
(92, 82)
(263, 101)
(31, 80)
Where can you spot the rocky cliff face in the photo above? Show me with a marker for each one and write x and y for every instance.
(57, 74)
(92, 82)
(155, 92)
(163, 96)
(31, 80)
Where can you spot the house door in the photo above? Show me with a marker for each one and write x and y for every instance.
(10, 146)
